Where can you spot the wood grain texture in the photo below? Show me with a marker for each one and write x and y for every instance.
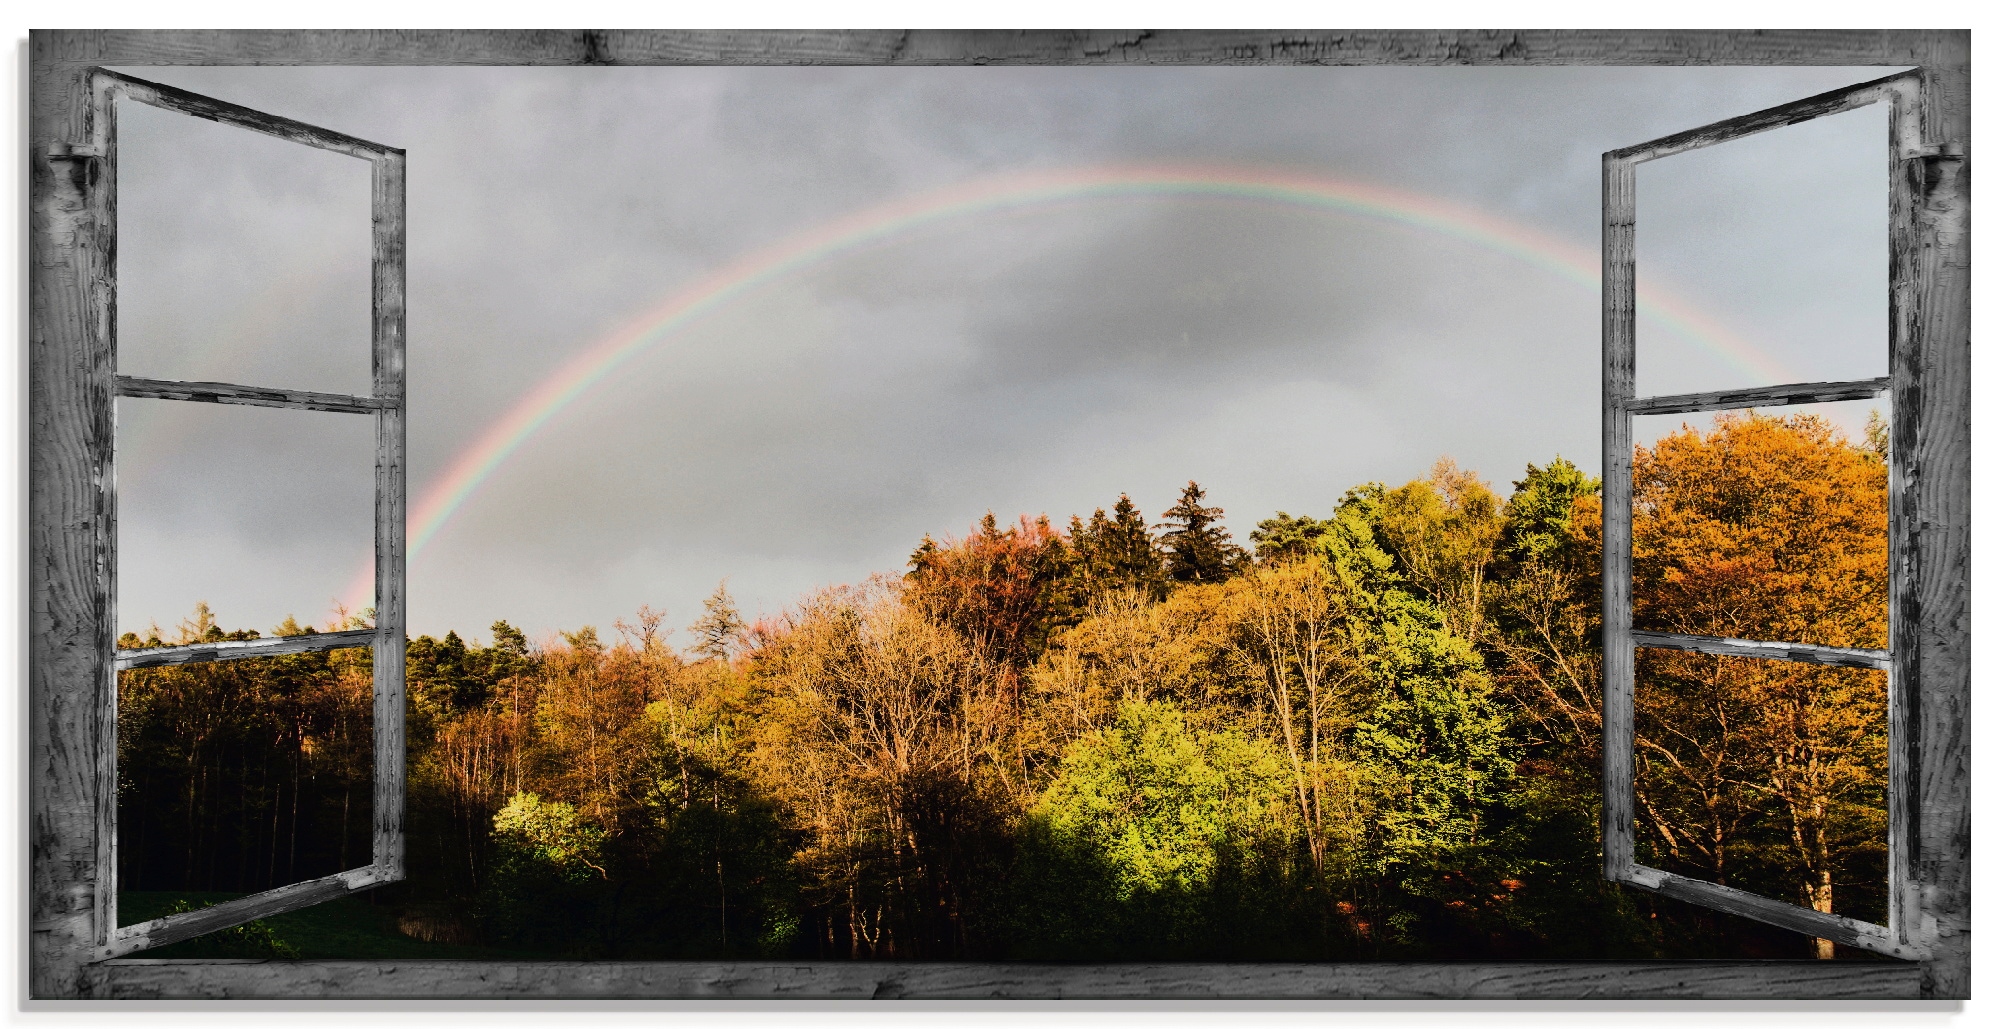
(1019, 47)
(246, 396)
(1846, 98)
(1723, 646)
(70, 361)
(189, 924)
(295, 980)
(1907, 734)
(1864, 935)
(103, 204)
(195, 105)
(1935, 380)
(1760, 396)
(388, 205)
(237, 650)
(1620, 303)
(1905, 753)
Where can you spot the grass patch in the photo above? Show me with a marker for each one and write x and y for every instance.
(346, 928)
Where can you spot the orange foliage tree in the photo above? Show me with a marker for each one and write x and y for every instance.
(1764, 774)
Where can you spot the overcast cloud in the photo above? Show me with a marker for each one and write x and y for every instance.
(1042, 360)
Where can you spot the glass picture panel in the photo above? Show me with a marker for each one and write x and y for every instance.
(260, 514)
(1764, 260)
(236, 777)
(242, 258)
(1766, 525)
(752, 622)
(1766, 776)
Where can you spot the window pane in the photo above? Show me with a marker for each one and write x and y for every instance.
(1765, 259)
(239, 776)
(1764, 525)
(263, 514)
(1768, 776)
(241, 257)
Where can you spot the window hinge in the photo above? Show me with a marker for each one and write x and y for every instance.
(73, 152)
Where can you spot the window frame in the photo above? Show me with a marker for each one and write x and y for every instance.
(1905, 935)
(385, 403)
(72, 384)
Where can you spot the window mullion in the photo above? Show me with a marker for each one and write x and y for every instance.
(1620, 335)
(1724, 646)
(247, 396)
(1760, 396)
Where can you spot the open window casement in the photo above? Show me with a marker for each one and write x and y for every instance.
(74, 948)
(384, 404)
(1904, 935)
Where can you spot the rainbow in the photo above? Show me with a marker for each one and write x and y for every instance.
(505, 436)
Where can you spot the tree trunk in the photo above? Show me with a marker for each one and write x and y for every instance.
(1822, 900)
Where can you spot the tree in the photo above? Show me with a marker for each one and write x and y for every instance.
(1285, 537)
(1115, 553)
(1197, 547)
(548, 886)
(720, 628)
(1161, 803)
(1302, 634)
(1537, 521)
(1757, 771)
(887, 737)
(1443, 530)
(1001, 589)
(1545, 611)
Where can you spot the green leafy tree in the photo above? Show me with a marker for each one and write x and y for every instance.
(1435, 725)
(1540, 513)
(546, 885)
(1144, 831)
(1159, 799)
(550, 835)
(1443, 530)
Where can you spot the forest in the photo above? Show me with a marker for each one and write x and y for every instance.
(1366, 734)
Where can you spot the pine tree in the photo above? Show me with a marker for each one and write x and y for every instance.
(1114, 553)
(1198, 548)
(1287, 537)
(720, 626)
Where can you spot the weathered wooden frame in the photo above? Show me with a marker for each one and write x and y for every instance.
(73, 381)
(97, 159)
(387, 202)
(1906, 935)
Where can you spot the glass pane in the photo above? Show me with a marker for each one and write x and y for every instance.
(1768, 776)
(1765, 259)
(241, 258)
(239, 776)
(1764, 525)
(261, 514)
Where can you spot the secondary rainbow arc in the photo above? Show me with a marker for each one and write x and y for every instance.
(505, 436)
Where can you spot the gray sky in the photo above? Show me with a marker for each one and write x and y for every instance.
(1041, 359)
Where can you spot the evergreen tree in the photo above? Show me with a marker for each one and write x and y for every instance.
(1198, 548)
(1115, 553)
(508, 656)
(720, 626)
(1287, 537)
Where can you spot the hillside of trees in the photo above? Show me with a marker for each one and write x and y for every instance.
(1366, 734)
